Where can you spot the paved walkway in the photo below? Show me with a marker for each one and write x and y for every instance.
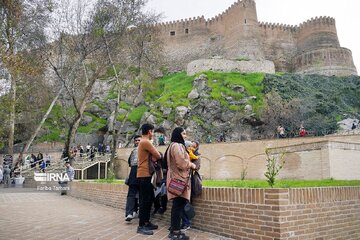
(30, 214)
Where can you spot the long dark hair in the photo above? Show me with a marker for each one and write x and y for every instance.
(176, 135)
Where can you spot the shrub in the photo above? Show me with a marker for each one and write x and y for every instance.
(273, 166)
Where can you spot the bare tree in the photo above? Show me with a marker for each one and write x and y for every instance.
(118, 22)
(22, 24)
(77, 59)
(35, 133)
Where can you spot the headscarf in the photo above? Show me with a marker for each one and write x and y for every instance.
(176, 136)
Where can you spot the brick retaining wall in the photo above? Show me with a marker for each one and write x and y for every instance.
(265, 214)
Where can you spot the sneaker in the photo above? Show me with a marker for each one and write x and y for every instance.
(144, 231)
(184, 228)
(154, 212)
(135, 215)
(151, 226)
(161, 210)
(181, 236)
(129, 217)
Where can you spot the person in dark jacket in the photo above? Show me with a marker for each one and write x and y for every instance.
(132, 205)
(6, 173)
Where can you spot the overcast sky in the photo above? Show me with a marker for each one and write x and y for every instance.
(346, 14)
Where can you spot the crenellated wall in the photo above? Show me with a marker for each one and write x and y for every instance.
(311, 47)
(317, 33)
(279, 44)
(232, 34)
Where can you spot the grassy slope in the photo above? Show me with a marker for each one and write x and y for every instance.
(327, 97)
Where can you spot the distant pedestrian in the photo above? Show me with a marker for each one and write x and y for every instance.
(92, 153)
(48, 160)
(1, 174)
(70, 171)
(6, 173)
(353, 126)
(108, 150)
(101, 148)
(302, 131)
(33, 161)
(281, 131)
(88, 147)
(222, 137)
(161, 140)
(39, 158)
(208, 139)
(43, 166)
(81, 151)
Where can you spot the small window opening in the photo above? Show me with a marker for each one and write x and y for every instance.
(245, 21)
(172, 33)
(186, 31)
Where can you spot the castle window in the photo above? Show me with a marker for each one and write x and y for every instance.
(245, 21)
(172, 33)
(186, 31)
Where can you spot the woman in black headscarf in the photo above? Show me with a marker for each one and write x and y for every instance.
(179, 166)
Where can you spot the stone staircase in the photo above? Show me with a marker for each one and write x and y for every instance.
(80, 165)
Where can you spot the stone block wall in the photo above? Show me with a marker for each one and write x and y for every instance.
(224, 65)
(326, 61)
(306, 158)
(266, 214)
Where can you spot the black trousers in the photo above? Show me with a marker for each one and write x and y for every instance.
(132, 200)
(146, 198)
(177, 212)
(160, 202)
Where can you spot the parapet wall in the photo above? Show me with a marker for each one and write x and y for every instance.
(224, 65)
(299, 213)
(307, 158)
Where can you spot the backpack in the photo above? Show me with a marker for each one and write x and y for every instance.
(164, 159)
(196, 184)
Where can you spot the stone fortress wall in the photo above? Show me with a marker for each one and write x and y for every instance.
(311, 47)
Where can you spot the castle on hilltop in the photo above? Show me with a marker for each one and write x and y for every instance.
(310, 48)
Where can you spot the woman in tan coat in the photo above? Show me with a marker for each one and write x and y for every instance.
(179, 166)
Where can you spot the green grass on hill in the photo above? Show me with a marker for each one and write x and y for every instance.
(170, 91)
(96, 124)
(222, 84)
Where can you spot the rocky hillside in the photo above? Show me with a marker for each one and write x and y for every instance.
(214, 104)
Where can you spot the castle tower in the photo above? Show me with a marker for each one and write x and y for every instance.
(319, 50)
(239, 28)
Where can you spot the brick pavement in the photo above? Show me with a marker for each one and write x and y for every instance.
(31, 214)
